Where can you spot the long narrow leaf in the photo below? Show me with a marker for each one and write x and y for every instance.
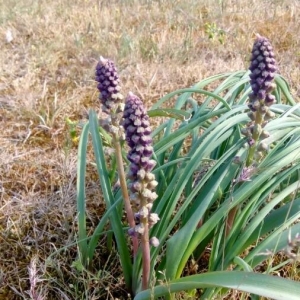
(109, 199)
(264, 285)
(99, 230)
(81, 170)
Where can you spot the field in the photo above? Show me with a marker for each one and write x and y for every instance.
(49, 51)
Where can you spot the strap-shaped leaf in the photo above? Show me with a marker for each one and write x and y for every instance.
(115, 218)
(81, 170)
(260, 284)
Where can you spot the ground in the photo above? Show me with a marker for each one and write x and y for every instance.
(49, 50)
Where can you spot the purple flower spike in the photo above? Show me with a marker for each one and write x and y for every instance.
(108, 84)
(142, 181)
(262, 67)
(137, 129)
(262, 74)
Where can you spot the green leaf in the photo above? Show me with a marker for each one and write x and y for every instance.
(181, 133)
(240, 262)
(77, 264)
(191, 90)
(284, 88)
(260, 284)
(115, 218)
(99, 230)
(170, 113)
(81, 170)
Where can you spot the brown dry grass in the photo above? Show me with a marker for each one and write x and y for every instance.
(47, 72)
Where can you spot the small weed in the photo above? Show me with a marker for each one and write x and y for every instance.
(214, 32)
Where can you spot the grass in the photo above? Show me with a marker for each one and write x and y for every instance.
(47, 77)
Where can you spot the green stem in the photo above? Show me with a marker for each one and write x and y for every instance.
(146, 254)
(251, 155)
(259, 118)
(124, 190)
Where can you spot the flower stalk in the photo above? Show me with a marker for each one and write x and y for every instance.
(263, 69)
(125, 195)
(112, 104)
(142, 181)
(139, 194)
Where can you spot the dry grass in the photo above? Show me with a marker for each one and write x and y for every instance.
(47, 71)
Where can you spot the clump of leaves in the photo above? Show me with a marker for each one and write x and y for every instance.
(203, 174)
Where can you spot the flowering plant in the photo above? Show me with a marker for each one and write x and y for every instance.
(215, 184)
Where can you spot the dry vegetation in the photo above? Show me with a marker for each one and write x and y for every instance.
(48, 54)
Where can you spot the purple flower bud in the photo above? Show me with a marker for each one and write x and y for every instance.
(134, 158)
(132, 232)
(134, 169)
(246, 174)
(261, 94)
(252, 108)
(251, 142)
(270, 99)
(136, 186)
(150, 165)
(137, 217)
(148, 150)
